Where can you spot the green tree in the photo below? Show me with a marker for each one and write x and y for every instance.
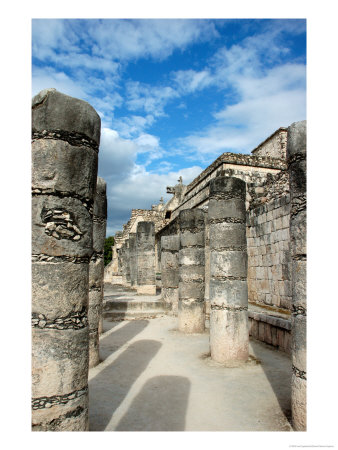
(108, 254)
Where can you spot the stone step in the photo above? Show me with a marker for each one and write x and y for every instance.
(133, 309)
(132, 314)
(133, 305)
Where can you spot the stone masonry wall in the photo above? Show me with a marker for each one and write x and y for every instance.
(269, 263)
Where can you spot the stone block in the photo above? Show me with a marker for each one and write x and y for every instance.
(298, 403)
(299, 342)
(228, 263)
(229, 293)
(233, 208)
(191, 317)
(229, 336)
(192, 290)
(189, 239)
(192, 256)
(299, 283)
(54, 299)
(223, 235)
(60, 166)
(61, 226)
(298, 234)
(59, 361)
(170, 243)
(189, 273)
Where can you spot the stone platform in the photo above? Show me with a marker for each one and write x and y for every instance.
(154, 378)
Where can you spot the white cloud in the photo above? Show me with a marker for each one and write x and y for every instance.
(147, 98)
(140, 190)
(50, 78)
(189, 80)
(156, 38)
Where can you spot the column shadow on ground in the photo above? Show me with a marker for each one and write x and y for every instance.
(161, 405)
(109, 344)
(109, 387)
(278, 376)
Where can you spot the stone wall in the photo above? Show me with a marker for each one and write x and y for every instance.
(274, 145)
(268, 240)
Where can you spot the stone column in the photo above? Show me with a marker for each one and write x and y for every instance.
(229, 331)
(133, 260)
(207, 269)
(65, 135)
(145, 246)
(191, 307)
(170, 246)
(122, 262)
(96, 272)
(127, 262)
(296, 154)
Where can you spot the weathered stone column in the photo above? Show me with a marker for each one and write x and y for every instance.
(127, 262)
(170, 246)
(66, 135)
(229, 331)
(122, 261)
(191, 308)
(296, 154)
(207, 268)
(133, 260)
(145, 246)
(96, 271)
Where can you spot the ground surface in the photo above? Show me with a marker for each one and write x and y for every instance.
(154, 378)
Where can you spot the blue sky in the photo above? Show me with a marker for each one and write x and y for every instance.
(173, 94)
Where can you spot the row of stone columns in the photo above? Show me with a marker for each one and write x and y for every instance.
(184, 271)
(68, 225)
(223, 264)
(137, 259)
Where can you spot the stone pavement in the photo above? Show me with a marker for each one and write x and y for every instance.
(154, 378)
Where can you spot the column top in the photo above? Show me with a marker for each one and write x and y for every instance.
(52, 110)
(232, 186)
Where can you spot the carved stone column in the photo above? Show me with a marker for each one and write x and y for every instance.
(66, 136)
(133, 260)
(229, 332)
(191, 307)
(296, 155)
(145, 245)
(170, 246)
(127, 262)
(96, 272)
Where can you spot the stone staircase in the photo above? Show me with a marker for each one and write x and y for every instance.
(125, 304)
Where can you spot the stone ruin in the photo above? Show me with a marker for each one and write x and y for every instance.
(228, 252)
